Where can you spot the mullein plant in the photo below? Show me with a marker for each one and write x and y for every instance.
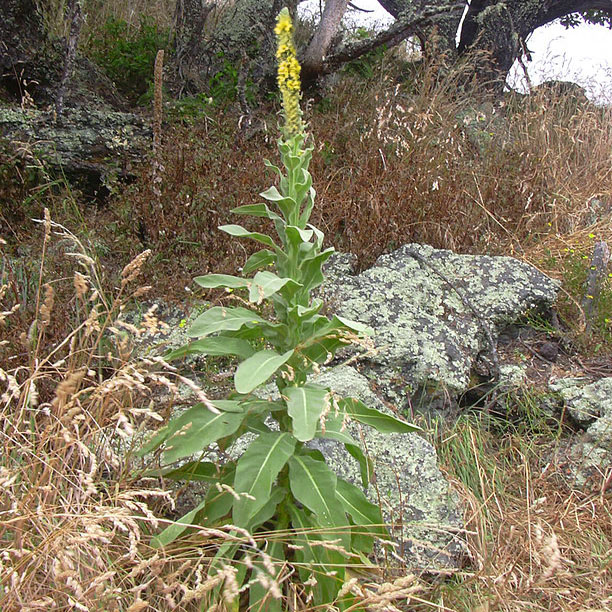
(279, 485)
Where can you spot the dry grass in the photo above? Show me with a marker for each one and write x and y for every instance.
(415, 162)
(75, 514)
(535, 543)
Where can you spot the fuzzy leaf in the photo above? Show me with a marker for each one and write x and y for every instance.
(195, 429)
(257, 470)
(256, 370)
(313, 484)
(223, 319)
(265, 284)
(241, 232)
(366, 515)
(334, 431)
(305, 405)
(375, 418)
(170, 533)
(212, 281)
(258, 260)
(219, 345)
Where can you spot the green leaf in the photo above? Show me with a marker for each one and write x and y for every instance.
(201, 471)
(265, 284)
(334, 431)
(255, 210)
(195, 429)
(375, 418)
(285, 204)
(241, 232)
(257, 470)
(297, 236)
(212, 281)
(305, 405)
(219, 345)
(219, 318)
(354, 325)
(366, 515)
(258, 260)
(260, 596)
(256, 370)
(312, 275)
(268, 511)
(314, 484)
(173, 531)
(315, 560)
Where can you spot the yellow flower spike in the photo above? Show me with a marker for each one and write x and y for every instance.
(288, 75)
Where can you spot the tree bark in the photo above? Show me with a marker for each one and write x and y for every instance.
(446, 29)
(312, 59)
(501, 28)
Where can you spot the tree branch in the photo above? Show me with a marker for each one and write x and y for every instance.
(405, 26)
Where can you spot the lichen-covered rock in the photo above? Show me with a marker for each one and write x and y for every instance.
(590, 405)
(431, 311)
(413, 494)
(582, 401)
(84, 143)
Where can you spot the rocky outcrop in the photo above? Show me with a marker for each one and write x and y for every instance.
(435, 315)
(416, 500)
(85, 145)
(589, 457)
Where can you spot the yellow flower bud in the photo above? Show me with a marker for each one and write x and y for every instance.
(288, 74)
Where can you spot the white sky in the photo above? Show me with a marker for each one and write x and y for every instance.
(582, 54)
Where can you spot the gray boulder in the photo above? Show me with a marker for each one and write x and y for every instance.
(590, 405)
(414, 496)
(86, 145)
(435, 313)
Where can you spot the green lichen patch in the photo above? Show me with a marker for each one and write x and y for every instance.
(430, 319)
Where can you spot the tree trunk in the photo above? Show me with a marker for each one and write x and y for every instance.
(312, 59)
(501, 28)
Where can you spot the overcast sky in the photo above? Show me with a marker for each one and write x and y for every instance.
(582, 54)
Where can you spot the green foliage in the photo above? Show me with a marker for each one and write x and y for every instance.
(278, 484)
(223, 85)
(127, 55)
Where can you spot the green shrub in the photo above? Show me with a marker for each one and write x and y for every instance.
(128, 55)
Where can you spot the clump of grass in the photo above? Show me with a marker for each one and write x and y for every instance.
(535, 543)
(76, 513)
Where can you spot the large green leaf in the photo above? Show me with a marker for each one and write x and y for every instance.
(260, 595)
(173, 531)
(265, 284)
(255, 210)
(267, 512)
(213, 281)
(216, 346)
(258, 260)
(326, 565)
(257, 470)
(313, 484)
(285, 204)
(219, 318)
(297, 235)
(305, 405)
(375, 418)
(312, 276)
(258, 368)
(366, 515)
(335, 430)
(195, 429)
(241, 232)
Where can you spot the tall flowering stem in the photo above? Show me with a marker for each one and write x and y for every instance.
(279, 480)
